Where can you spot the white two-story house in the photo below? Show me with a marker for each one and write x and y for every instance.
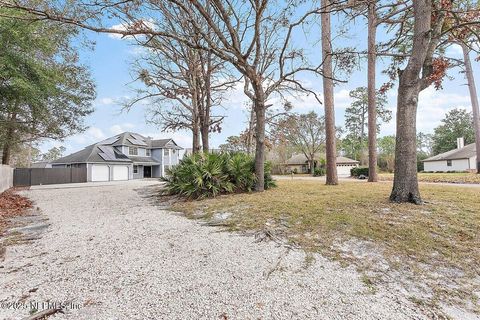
(125, 156)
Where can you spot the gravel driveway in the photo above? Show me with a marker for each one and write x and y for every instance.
(110, 253)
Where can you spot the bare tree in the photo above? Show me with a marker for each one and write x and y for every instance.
(255, 37)
(306, 132)
(182, 84)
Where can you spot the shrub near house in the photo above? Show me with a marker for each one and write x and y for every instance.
(210, 174)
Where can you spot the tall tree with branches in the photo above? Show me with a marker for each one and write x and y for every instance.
(182, 84)
(306, 132)
(44, 91)
(254, 37)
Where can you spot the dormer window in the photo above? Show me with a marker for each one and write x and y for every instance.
(133, 151)
(148, 153)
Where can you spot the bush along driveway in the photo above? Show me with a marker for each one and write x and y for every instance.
(111, 253)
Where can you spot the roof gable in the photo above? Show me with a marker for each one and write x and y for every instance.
(466, 152)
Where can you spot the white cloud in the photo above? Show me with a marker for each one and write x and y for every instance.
(119, 128)
(148, 24)
(119, 27)
(432, 107)
(91, 135)
(454, 51)
(106, 101)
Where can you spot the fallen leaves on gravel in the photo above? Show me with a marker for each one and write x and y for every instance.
(12, 204)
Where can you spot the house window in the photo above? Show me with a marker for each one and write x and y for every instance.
(133, 151)
(148, 153)
(449, 163)
(135, 169)
(166, 152)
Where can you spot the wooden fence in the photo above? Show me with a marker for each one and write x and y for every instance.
(40, 176)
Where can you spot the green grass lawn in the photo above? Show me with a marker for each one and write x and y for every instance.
(431, 241)
(457, 177)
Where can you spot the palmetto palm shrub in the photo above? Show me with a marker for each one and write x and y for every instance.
(205, 175)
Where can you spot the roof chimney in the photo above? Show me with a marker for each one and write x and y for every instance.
(460, 143)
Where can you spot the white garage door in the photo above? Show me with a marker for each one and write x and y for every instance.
(120, 173)
(100, 172)
(344, 170)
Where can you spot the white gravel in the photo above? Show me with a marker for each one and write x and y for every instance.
(115, 255)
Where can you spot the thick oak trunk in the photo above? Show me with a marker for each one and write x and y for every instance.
(405, 183)
(412, 80)
(372, 99)
(331, 148)
(205, 131)
(474, 99)
(259, 106)
(260, 148)
(196, 137)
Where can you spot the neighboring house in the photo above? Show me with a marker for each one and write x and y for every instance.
(461, 159)
(123, 157)
(298, 163)
(41, 164)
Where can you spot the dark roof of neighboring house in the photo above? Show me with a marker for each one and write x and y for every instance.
(300, 158)
(104, 151)
(40, 164)
(142, 160)
(345, 160)
(466, 152)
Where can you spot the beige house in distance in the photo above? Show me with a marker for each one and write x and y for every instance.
(298, 163)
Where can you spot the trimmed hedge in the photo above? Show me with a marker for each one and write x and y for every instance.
(318, 172)
(358, 171)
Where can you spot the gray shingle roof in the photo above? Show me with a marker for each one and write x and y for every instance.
(144, 160)
(300, 158)
(90, 154)
(128, 139)
(93, 153)
(466, 152)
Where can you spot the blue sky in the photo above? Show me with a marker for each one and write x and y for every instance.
(110, 59)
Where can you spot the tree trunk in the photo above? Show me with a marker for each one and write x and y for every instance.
(9, 136)
(259, 106)
(331, 148)
(196, 117)
(251, 128)
(372, 99)
(474, 99)
(312, 166)
(205, 125)
(196, 136)
(405, 183)
(411, 81)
